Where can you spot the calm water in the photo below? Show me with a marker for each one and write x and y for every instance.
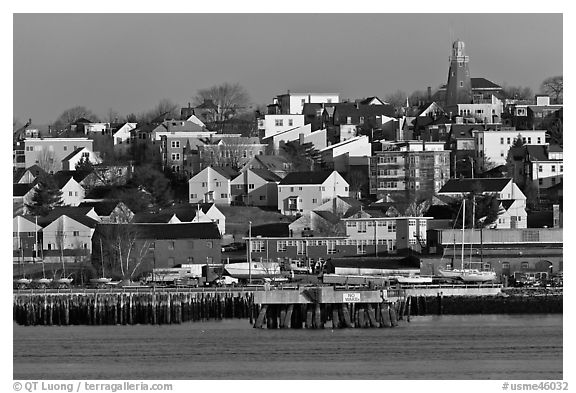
(431, 347)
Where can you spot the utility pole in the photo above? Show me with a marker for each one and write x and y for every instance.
(250, 252)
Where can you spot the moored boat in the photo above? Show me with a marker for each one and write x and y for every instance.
(254, 270)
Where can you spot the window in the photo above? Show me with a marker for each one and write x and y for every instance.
(553, 168)
(193, 196)
(539, 140)
(361, 247)
(190, 260)
(250, 186)
(505, 265)
(244, 154)
(209, 244)
(170, 245)
(361, 119)
(508, 141)
(217, 184)
(300, 247)
(281, 246)
(561, 168)
(152, 246)
(540, 168)
(69, 193)
(314, 200)
(460, 64)
(175, 156)
(65, 148)
(461, 84)
(262, 197)
(501, 141)
(391, 226)
(175, 144)
(361, 227)
(529, 140)
(223, 195)
(258, 246)
(279, 122)
(331, 247)
(290, 122)
(348, 120)
(75, 233)
(203, 184)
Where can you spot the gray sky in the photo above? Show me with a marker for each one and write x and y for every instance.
(128, 62)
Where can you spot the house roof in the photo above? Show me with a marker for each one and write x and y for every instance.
(555, 148)
(225, 171)
(468, 185)
(19, 190)
(75, 213)
(367, 100)
(102, 208)
(296, 178)
(497, 171)
(77, 175)
(273, 162)
(82, 120)
(62, 179)
(351, 201)
(196, 230)
(536, 152)
(506, 203)
(328, 216)
(482, 83)
(280, 229)
(17, 174)
(76, 151)
(266, 174)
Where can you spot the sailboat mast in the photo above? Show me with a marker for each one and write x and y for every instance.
(472, 231)
(463, 226)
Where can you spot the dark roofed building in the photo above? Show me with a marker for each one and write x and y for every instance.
(296, 178)
(164, 245)
(469, 185)
(20, 190)
(267, 175)
(279, 229)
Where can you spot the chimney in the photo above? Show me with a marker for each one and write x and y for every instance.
(429, 94)
(189, 106)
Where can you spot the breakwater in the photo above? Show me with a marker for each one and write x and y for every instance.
(130, 308)
(513, 304)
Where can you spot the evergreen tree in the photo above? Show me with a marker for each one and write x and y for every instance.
(303, 156)
(84, 165)
(46, 197)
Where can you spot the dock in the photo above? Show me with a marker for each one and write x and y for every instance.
(326, 306)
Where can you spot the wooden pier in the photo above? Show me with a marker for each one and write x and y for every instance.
(130, 307)
(327, 307)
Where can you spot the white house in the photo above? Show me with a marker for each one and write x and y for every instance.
(492, 146)
(211, 185)
(274, 124)
(293, 103)
(512, 199)
(72, 192)
(301, 192)
(121, 137)
(82, 153)
(69, 233)
(256, 187)
(336, 156)
(293, 134)
(48, 153)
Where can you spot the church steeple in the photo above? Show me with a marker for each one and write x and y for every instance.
(459, 86)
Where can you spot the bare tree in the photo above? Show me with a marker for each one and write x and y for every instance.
(126, 250)
(232, 152)
(518, 93)
(417, 209)
(69, 116)
(554, 87)
(47, 161)
(60, 238)
(231, 98)
(397, 100)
